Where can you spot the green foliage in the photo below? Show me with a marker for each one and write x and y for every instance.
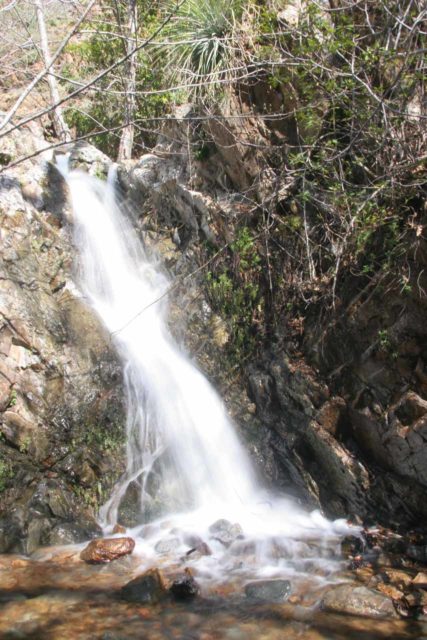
(105, 439)
(386, 344)
(6, 473)
(235, 292)
(345, 95)
(384, 339)
(200, 47)
(13, 398)
(25, 444)
(105, 442)
(94, 497)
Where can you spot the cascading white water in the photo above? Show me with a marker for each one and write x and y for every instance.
(177, 428)
(173, 412)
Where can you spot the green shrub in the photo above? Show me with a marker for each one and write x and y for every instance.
(198, 47)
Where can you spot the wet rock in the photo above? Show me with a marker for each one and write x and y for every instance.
(202, 549)
(107, 549)
(417, 552)
(50, 408)
(358, 601)
(185, 587)
(351, 545)
(148, 588)
(118, 528)
(36, 533)
(268, 590)
(9, 535)
(417, 598)
(390, 590)
(397, 577)
(167, 545)
(72, 533)
(192, 540)
(225, 532)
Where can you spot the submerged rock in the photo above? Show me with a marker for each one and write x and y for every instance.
(185, 587)
(358, 601)
(225, 532)
(268, 590)
(148, 588)
(107, 549)
(167, 545)
(119, 528)
(202, 549)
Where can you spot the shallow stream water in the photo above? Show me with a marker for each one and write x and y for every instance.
(56, 596)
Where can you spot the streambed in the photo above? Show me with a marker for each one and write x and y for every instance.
(55, 595)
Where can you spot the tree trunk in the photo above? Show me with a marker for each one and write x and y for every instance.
(60, 127)
(126, 140)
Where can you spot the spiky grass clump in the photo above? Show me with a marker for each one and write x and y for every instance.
(198, 43)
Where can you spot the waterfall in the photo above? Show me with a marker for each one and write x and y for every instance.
(177, 426)
(183, 452)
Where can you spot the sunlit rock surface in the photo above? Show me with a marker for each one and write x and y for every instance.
(61, 411)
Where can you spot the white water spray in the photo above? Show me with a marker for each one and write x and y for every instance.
(182, 450)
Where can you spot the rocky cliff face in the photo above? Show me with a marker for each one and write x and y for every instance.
(61, 420)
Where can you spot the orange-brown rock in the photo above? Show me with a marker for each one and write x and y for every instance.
(119, 528)
(330, 414)
(390, 590)
(105, 550)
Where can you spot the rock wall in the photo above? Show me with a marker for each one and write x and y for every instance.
(61, 407)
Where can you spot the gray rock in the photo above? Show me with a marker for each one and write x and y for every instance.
(197, 552)
(60, 388)
(167, 545)
(268, 590)
(10, 533)
(225, 531)
(90, 159)
(358, 601)
(73, 533)
(417, 552)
